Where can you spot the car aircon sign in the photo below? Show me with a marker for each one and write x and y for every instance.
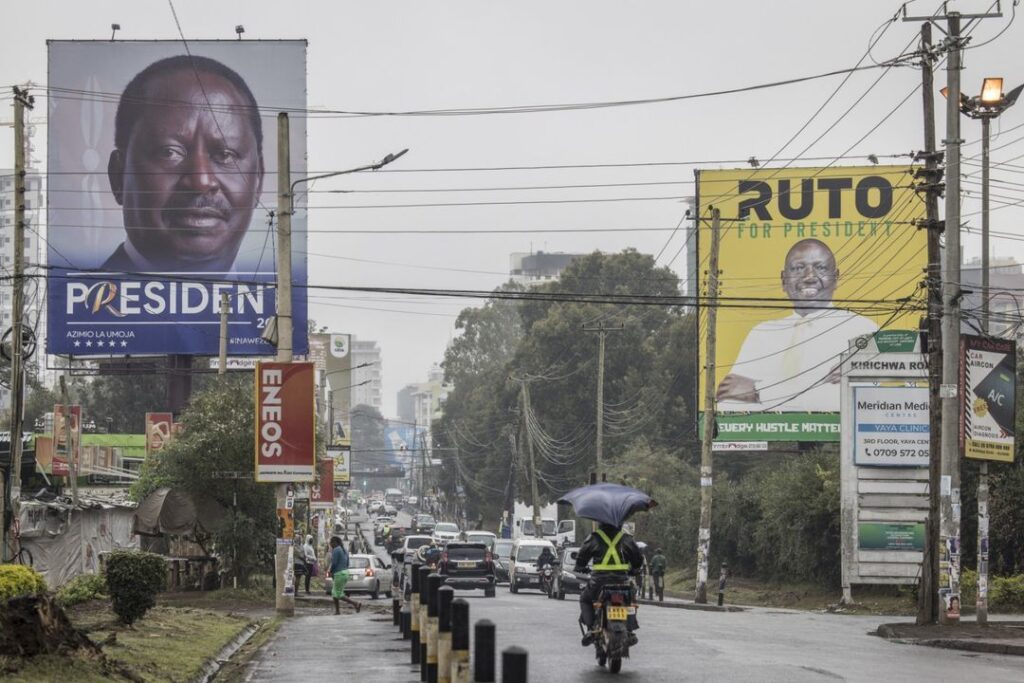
(285, 429)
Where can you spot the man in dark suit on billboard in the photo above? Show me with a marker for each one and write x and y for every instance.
(187, 167)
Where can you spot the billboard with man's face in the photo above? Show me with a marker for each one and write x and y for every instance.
(809, 259)
(162, 175)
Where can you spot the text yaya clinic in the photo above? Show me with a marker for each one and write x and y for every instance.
(124, 298)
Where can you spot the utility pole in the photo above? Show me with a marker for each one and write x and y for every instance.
(704, 535)
(69, 448)
(928, 597)
(537, 531)
(284, 601)
(602, 332)
(224, 307)
(21, 100)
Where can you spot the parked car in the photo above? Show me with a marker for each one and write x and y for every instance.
(423, 524)
(375, 507)
(468, 565)
(523, 563)
(367, 574)
(445, 532)
(390, 509)
(566, 580)
(502, 551)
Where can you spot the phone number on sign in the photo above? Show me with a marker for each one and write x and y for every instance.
(897, 452)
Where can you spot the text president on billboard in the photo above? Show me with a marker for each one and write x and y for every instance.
(187, 167)
(791, 363)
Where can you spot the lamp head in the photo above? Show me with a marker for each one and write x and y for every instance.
(992, 91)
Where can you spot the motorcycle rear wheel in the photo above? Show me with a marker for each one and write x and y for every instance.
(615, 666)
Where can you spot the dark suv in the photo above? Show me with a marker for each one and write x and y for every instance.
(468, 565)
(423, 524)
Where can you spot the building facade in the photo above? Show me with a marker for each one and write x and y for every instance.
(535, 269)
(366, 353)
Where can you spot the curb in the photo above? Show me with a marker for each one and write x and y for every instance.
(692, 606)
(214, 664)
(985, 646)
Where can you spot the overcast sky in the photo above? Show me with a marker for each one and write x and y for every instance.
(401, 56)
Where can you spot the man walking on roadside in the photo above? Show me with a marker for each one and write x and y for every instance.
(658, 566)
(339, 576)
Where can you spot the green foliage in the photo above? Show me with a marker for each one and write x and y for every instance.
(18, 580)
(82, 588)
(367, 429)
(1005, 593)
(218, 437)
(133, 580)
(120, 402)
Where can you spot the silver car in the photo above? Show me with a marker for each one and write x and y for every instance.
(368, 574)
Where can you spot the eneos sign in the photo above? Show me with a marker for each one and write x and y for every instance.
(285, 429)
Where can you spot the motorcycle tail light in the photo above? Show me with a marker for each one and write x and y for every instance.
(617, 599)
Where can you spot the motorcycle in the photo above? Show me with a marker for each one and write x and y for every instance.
(547, 579)
(616, 617)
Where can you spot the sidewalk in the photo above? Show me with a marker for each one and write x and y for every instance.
(317, 645)
(999, 637)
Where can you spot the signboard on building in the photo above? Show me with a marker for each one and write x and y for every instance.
(332, 354)
(341, 455)
(890, 536)
(285, 422)
(159, 430)
(801, 251)
(146, 227)
(988, 377)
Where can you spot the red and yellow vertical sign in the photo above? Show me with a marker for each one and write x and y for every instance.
(321, 495)
(285, 422)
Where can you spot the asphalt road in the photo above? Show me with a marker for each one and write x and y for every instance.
(754, 645)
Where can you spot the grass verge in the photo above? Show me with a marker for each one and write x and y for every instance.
(168, 644)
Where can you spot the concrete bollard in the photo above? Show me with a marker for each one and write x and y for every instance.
(460, 641)
(424, 573)
(414, 614)
(433, 585)
(396, 619)
(483, 652)
(513, 665)
(723, 573)
(405, 618)
(445, 595)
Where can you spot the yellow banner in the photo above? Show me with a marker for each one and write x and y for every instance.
(809, 258)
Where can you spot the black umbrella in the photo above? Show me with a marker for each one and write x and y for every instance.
(607, 503)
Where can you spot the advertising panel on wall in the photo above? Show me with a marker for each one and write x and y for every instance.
(333, 358)
(809, 259)
(161, 179)
(890, 426)
(341, 456)
(988, 377)
(285, 422)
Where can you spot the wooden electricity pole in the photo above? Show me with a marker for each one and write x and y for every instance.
(704, 534)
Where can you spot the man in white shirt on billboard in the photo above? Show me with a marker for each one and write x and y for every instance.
(792, 364)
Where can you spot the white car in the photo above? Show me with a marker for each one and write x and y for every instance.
(522, 565)
(445, 532)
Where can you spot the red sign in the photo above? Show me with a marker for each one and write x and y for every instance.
(285, 427)
(158, 431)
(321, 496)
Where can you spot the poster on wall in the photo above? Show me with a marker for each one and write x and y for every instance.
(341, 455)
(890, 426)
(161, 175)
(988, 377)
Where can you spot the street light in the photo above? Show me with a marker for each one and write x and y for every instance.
(987, 106)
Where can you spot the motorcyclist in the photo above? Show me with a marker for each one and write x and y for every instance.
(614, 553)
(546, 558)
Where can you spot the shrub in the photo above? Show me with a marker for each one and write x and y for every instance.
(1005, 593)
(17, 581)
(133, 580)
(82, 588)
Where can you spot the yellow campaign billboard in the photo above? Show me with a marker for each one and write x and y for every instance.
(809, 258)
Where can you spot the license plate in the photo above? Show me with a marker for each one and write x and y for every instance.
(617, 613)
(469, 563)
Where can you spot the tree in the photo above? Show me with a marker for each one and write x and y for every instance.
(218, 436)
(121, 402)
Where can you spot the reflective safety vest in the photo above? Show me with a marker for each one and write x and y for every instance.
(611, 562)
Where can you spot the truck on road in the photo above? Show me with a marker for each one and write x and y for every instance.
(558, 532)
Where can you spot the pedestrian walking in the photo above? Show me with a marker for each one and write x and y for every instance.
(658, 566)
(309, 554)
(339, 575)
